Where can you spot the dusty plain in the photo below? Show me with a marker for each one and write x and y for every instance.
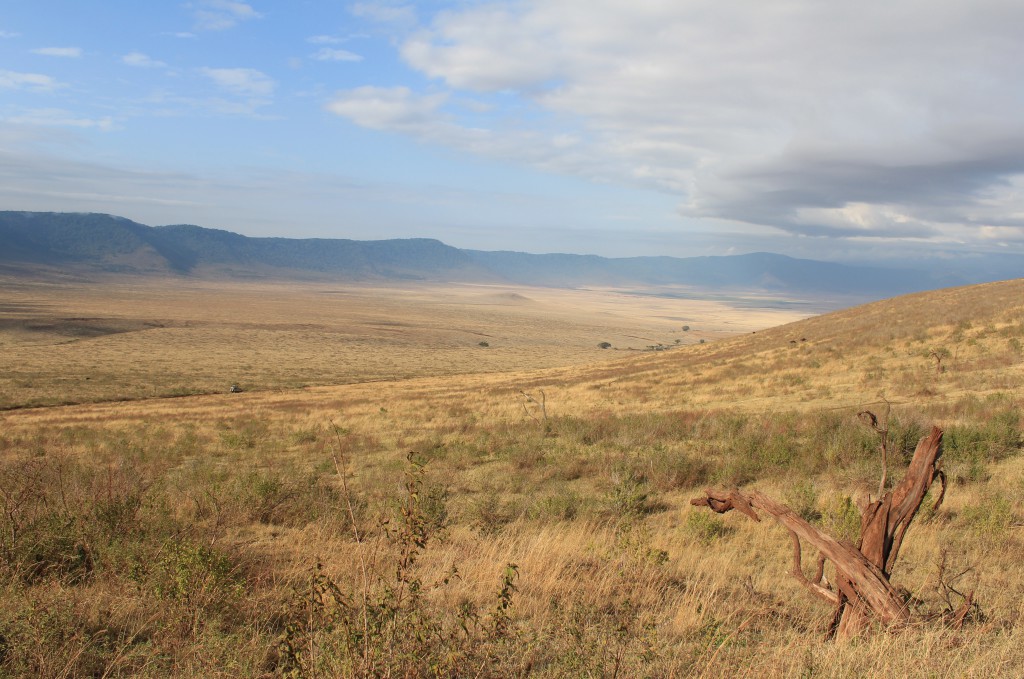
(390, 498)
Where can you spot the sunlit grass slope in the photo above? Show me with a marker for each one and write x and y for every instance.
(292, 532)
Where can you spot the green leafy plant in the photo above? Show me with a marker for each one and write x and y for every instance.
(705, 527)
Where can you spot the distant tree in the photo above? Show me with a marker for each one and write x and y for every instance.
(686, 328)
(604, 345)
(484, 344)
(939, 354)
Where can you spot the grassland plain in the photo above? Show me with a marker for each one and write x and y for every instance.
(137, 338)
(290, 532)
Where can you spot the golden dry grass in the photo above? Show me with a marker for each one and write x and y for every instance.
(145, 338)
(841, 360)
(617, 573)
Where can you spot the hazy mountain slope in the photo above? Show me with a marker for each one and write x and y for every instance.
(108, 243)
(75, 242)
(751, 271)
(62, 239)
(405, 258)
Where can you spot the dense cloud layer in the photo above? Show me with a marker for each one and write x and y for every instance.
(879, 119)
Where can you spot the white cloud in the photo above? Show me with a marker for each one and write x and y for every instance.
(398, 109)
(898, 118)
(385, 12)
(66, 52)
(487, 48)
(331, 54)
(141, 60)
(1005, 234)
(54, 117)
(387, 108)
(220, 15)
(324, 40)
(243, 82)
(8, 34)
(30, 81)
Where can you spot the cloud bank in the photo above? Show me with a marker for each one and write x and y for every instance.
(880, 119)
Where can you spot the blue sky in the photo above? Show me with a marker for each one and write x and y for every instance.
(682, 127)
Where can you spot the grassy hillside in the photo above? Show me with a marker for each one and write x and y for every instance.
(292, 532)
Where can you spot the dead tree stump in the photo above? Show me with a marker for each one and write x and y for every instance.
(862, 588)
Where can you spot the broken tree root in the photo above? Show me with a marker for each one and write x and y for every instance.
(862, 590)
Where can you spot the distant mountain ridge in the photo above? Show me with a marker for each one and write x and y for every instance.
(105, 243)
(754, 271)
(90, 242)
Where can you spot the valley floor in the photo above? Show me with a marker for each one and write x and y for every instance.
(133, 338)
(540, 524)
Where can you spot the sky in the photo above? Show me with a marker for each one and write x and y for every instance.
(875, 130)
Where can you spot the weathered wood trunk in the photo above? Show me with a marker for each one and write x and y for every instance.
(863, 591)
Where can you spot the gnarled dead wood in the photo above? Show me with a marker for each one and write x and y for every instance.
(867, 583)
(887, 520)
(862, 570)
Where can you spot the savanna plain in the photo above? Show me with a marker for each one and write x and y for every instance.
(457, 480)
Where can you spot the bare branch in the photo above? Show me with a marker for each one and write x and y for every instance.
(542, 404)
(941, 476)
(814, 587)
(819, 573)
(870, 419)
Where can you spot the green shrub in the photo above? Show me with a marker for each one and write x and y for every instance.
(993, 516)
(306, 435)
(202, 581)
(802, 498)
(286, 498)
(587, 640)
(434, 506)
(243, 433)
(54, 547)
(564, 505)
(489, 514)
(841, 518)
(903, 437)
(628, 495)
(968, 449)
(379, 623)
(669, 470)
(705, 526)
